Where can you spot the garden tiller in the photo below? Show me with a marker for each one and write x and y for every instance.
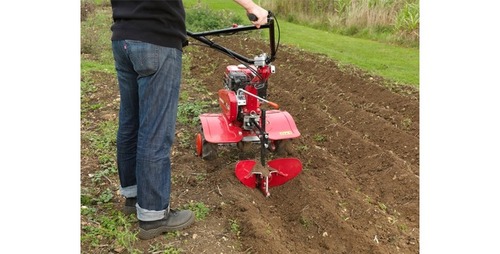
(242, 120)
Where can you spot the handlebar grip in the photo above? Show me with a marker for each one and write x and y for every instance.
(252, 17)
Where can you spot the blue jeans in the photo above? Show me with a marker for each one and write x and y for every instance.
(149, 78)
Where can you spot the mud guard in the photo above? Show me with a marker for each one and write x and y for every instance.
(280, 125)
(217, 129)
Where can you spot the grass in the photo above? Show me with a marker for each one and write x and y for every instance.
(398, 64)
(394, 63)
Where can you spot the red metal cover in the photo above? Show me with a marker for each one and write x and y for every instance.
(217, 129)
(280, 125)
(228, 104)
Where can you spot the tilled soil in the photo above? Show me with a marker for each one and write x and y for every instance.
(359, 146)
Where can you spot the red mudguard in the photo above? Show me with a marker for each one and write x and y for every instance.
(217, 129)
(280, 125)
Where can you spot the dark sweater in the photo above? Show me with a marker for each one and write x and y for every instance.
(160, 22)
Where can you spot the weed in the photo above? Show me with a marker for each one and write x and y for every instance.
(87, 211)
(172, 235)
(302, 148)
(105, 196)
(382, 206)
(202, 18)
(200, 210)
(185, 138)
(406, 123)
(319, 138)
(188, 112)
(403, 227)
(305, 222)
(85, 199)
(234, 226)
(163, 248)
(408, 19)
(114, 228)
(201, 177)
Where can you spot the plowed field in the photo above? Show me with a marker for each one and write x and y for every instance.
(359, 146)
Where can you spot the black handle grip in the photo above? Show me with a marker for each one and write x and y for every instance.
(252, 17)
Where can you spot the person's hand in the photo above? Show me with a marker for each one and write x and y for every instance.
(261, 15)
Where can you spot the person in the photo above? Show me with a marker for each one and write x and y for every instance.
(147, 40)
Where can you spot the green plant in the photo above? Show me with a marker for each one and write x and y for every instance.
(114, 228)
(200, 210)
(305, 222)
(406, 123)
(188, 112)
(162, 248)
(105, 196)
(408, 20)
(234, 226)
(202, 18)
(382, 206)
(403, 227)
(302, 148)
(319, 138)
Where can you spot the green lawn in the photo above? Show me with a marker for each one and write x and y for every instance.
(395, 63)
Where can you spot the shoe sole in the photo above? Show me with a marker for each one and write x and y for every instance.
(152, 233)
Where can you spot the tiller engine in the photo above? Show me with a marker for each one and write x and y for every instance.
(243, 121)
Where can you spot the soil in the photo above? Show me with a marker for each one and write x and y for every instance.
(358, 191)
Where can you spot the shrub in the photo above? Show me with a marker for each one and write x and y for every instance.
(201, 18)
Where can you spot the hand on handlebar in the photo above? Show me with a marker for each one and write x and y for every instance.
(258, 16)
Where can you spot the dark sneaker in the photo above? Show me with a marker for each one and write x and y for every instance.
(129, 207)
(173, 220)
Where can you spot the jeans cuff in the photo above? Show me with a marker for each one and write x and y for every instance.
(129, 191)
(150, 215)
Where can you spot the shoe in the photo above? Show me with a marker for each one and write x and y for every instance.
(129, 207)
(173, 220)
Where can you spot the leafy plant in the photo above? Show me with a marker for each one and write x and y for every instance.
(200, 210)
(162, 248)
(319, 138)
(110, 227)
(305, 222)
(408, 19)
(188, 112)
(106, 196)
(202, 18)
(234, 226)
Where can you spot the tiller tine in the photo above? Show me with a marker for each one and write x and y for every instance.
(277, 172)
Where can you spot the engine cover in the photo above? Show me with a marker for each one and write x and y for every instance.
(236, 77)
(228, 104)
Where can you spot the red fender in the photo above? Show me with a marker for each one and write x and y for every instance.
(280, 125)
(217, 129)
